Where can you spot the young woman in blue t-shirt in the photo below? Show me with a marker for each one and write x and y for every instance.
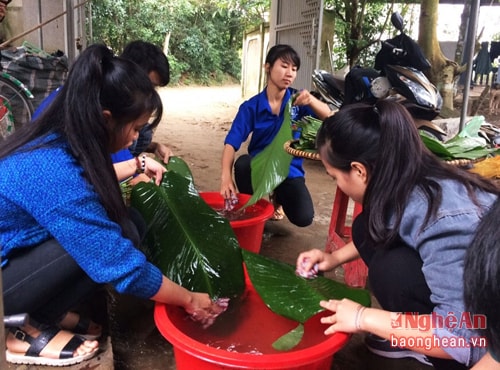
(262, 117)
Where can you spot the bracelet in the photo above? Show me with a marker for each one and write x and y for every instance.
(140, 164)
(143, 163)
(357, 320)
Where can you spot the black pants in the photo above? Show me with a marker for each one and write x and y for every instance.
(291, 194)
(45, 281)
(396, 280)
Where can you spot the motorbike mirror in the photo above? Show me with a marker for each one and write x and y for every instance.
(397, 21)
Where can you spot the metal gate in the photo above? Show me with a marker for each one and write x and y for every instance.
(298, 23)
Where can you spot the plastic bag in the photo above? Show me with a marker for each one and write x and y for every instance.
(6, 119)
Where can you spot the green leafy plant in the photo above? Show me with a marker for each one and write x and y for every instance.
(308, 127)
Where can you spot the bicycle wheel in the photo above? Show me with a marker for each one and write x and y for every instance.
(14, 98)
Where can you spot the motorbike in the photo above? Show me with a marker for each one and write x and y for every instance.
(398, 74)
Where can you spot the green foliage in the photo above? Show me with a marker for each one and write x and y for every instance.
(359, 25)
(204, 37)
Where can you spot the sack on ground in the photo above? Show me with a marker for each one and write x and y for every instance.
(42, 73)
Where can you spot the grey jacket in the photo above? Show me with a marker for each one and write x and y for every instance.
(442, 244)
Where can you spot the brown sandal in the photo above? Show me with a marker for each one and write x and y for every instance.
(278, 214)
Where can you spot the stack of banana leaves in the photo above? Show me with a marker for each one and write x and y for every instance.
(467, 144)
(308, 127)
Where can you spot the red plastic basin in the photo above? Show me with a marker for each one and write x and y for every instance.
(249, 230)
(315, 352)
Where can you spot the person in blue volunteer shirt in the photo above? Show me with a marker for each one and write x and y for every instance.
(262, 116)
(154, 62)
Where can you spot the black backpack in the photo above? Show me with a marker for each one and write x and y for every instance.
(357, 85)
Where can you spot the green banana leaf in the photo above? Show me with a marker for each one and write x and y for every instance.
(309, 127)
(292, 296)
(190, 243)
(271, 166)
(178, 165)
(466, 144)
(289, 340)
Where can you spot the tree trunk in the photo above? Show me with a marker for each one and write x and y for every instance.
(462, 33)
(166, 43)
(443, 72)
(327, 33)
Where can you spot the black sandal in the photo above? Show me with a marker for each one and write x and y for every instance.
(81, 328)
(32, 355)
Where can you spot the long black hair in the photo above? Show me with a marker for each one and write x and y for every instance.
(384, 138)
(482, 276)
(97, 81)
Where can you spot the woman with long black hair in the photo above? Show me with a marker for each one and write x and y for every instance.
(64, 228)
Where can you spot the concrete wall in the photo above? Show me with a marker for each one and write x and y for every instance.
(255, 47)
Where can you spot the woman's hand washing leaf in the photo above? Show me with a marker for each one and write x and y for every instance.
(292, 296)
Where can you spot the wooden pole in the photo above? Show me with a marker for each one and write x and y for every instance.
(471, 37)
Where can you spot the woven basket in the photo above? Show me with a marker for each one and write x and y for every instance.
(464, 162)
(289, 148)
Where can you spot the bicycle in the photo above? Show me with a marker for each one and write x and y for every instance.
(15, 105)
